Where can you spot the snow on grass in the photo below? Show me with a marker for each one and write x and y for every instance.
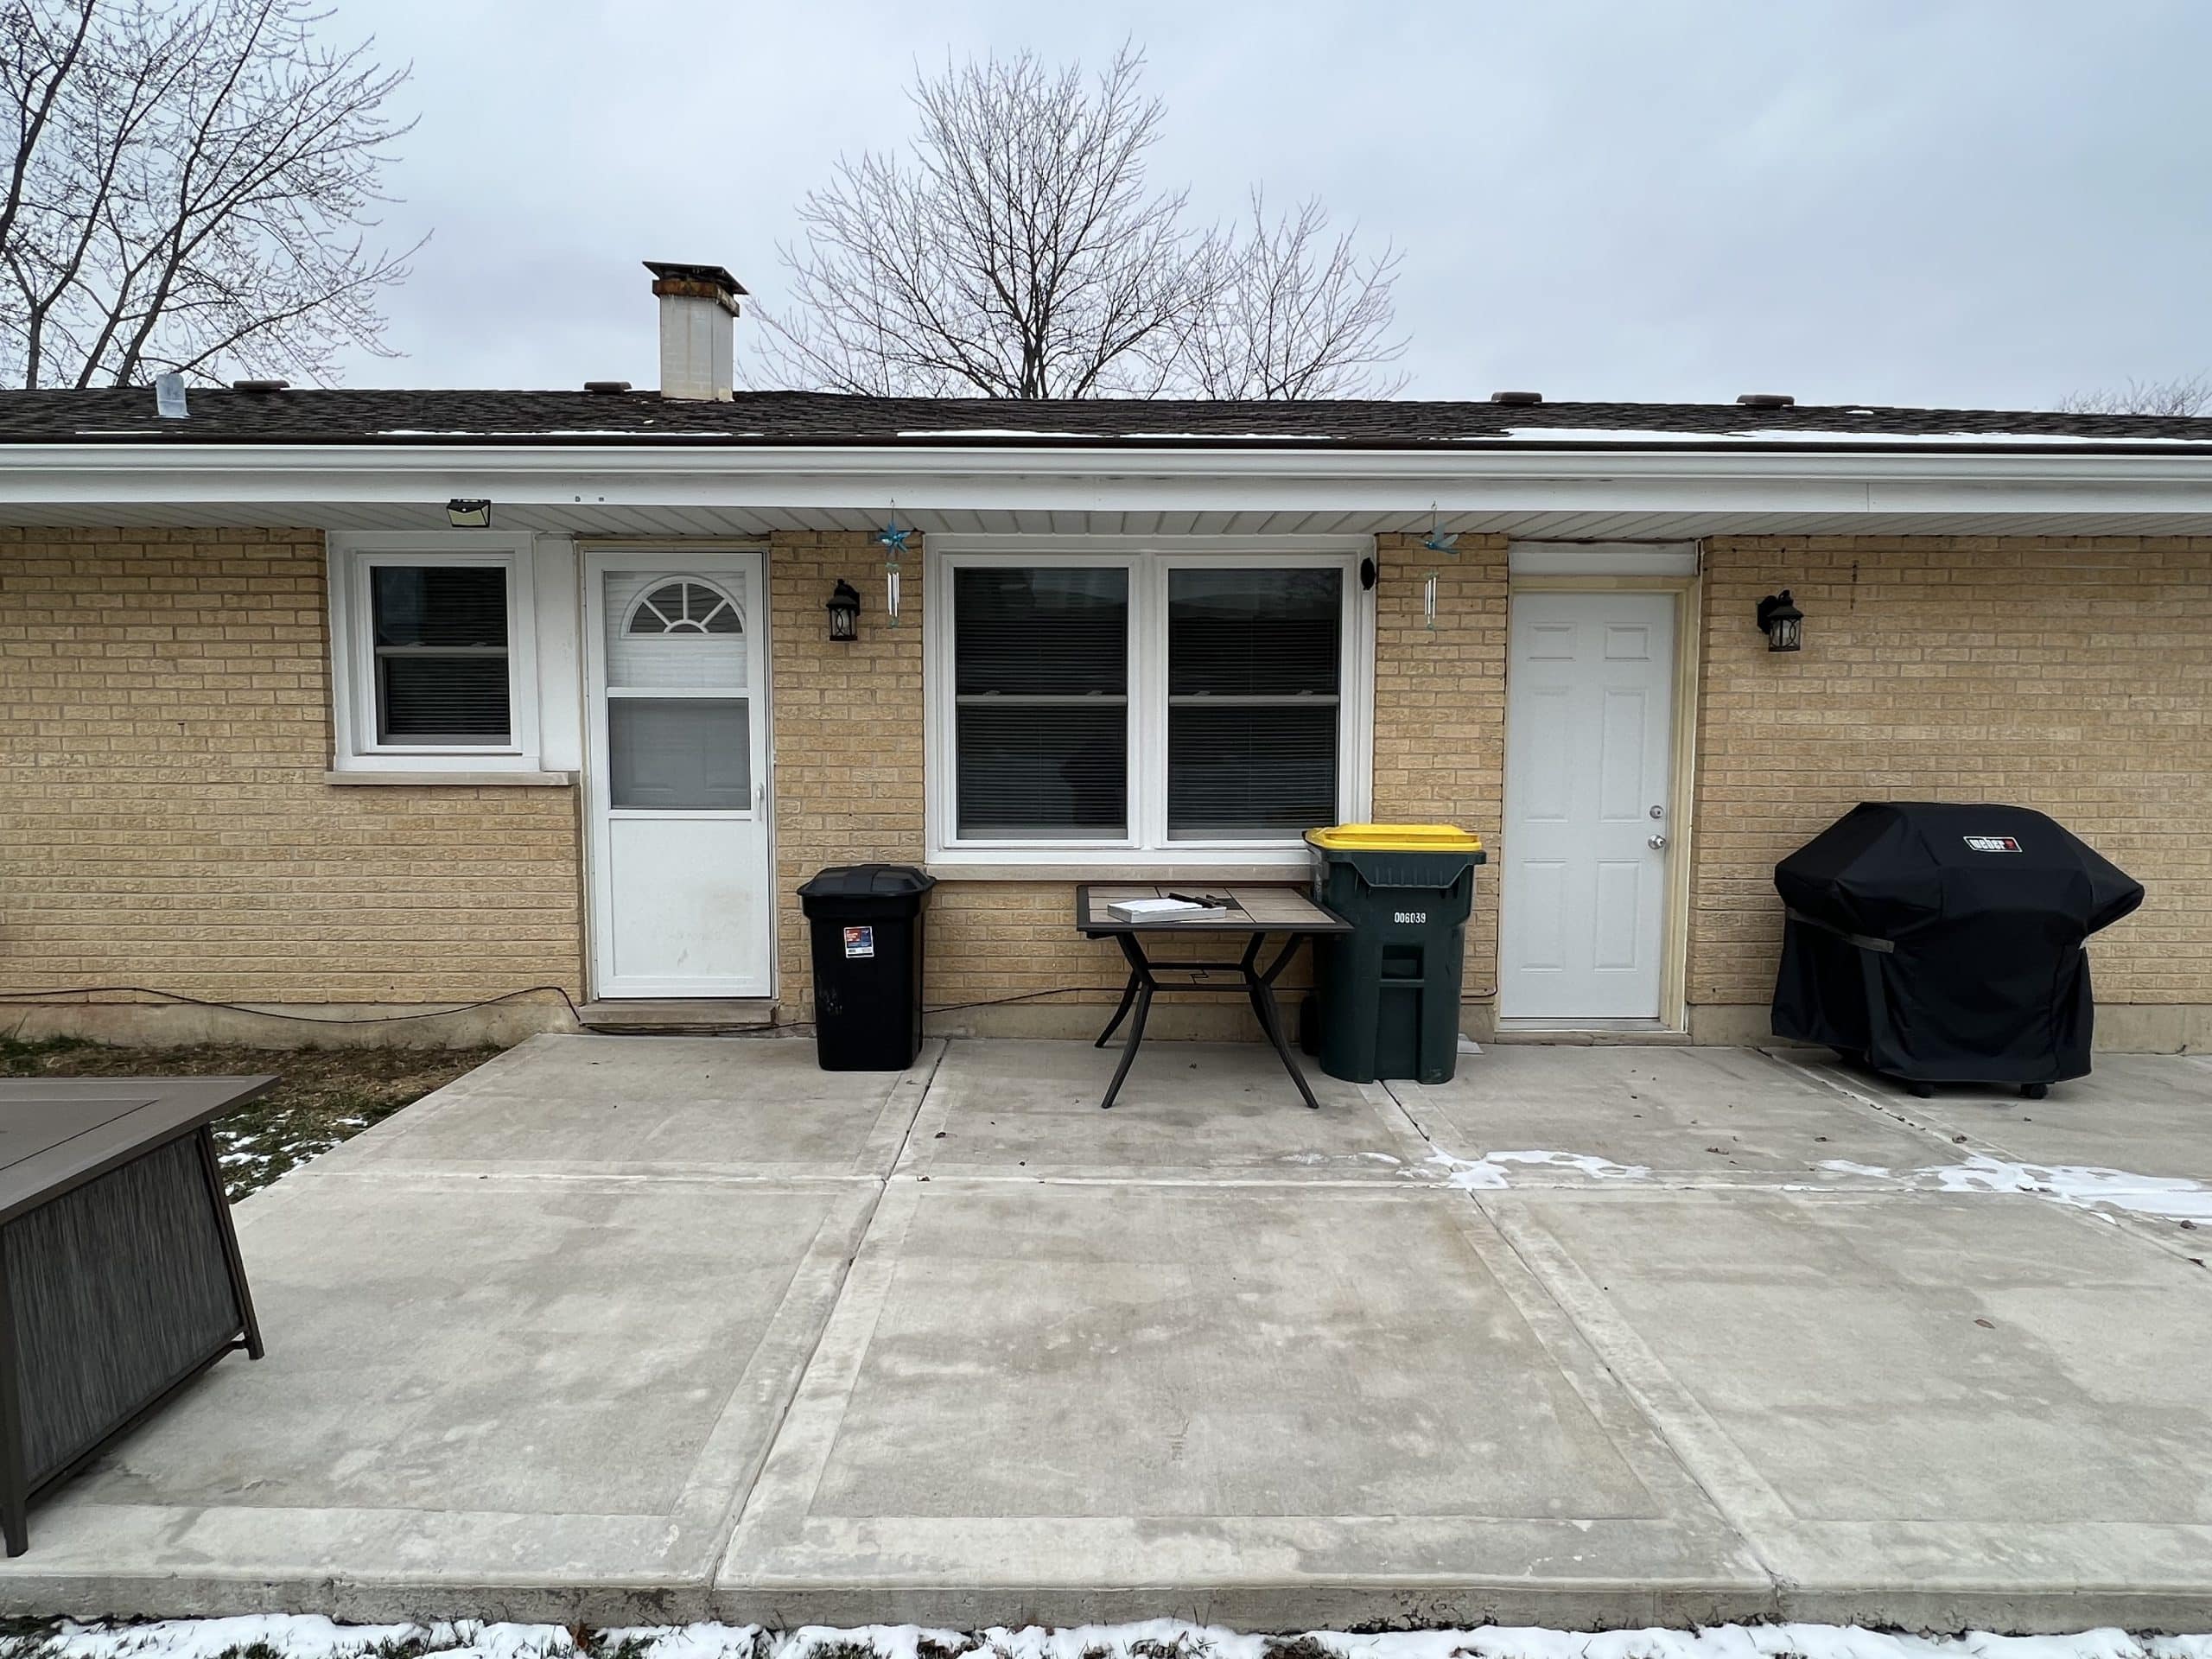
(1493, 1170)
(310, 1636)
(2084, 1186)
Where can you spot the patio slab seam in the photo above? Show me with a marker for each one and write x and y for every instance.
(1952, 1140)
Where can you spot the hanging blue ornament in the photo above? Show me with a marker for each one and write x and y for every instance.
(1437, 540)
(893, 535)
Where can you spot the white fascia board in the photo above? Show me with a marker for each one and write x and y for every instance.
(1054, 478)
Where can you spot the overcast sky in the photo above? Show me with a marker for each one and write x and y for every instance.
(1978, 205)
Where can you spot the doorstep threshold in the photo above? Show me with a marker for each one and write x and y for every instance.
(694, 1014)
(1591, 1032)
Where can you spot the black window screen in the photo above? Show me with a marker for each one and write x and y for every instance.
(1254, 658)
(440, 634)
(1041, 692)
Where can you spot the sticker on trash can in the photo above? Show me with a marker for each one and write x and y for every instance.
(860, 942)
(1992, 843)
(1410, 917)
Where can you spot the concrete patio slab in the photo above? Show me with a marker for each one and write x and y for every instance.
(1189, 1111)
(1271, 1407)
(545, 1397)
(750, 1108)
(635, 1330)
(2153, 1109)
(1925, 1410)
(1696, 1117)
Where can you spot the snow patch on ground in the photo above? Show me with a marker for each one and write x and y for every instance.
(2084, 1187)
(1493, 1170)
(310, 1636)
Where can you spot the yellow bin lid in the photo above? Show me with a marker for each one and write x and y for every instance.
(1396, 838)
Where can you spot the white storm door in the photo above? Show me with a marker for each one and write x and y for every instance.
(676, 653)
(1589, 732)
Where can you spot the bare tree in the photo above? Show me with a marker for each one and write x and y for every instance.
(190, 191)
(1020, 251)
(2183, 395)
(1296, 314)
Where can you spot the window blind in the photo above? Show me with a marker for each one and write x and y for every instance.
(1253, 664)
(440, 634)
(1040, 678)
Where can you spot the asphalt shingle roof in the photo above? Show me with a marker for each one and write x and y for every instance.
(125, 415)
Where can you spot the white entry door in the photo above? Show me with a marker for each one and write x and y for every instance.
(1589, 686)
(676, 652)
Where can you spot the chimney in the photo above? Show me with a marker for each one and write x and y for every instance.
(698, 303)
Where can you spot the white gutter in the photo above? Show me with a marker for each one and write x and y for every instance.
(1013, 476)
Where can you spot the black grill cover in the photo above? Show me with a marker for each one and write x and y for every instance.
(1943, 943)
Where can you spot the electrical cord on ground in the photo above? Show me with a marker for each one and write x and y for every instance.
(271, 1013)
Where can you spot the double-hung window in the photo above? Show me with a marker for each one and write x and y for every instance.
(432, 653)
(1189, 701)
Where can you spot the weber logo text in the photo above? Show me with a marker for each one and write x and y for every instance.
(1994, 844)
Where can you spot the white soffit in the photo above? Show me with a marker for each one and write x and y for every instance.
(1543, 558)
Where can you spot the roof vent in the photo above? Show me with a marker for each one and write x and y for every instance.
(1516, 396)
(1766, 400)
(607, 385)
(169, 397)
(261, 385)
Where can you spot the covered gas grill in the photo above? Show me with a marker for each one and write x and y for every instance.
(1942, 943)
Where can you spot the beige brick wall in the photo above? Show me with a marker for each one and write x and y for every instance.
(849, 781)
(1439, 709)
(2072, 676)
(164, 729)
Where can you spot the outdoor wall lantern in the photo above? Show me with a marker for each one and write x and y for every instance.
(463, 514)
(1782, 622)
(844, 608)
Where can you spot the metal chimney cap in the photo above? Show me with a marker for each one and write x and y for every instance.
(1766, 400)
(1516, 396)
(669, 271)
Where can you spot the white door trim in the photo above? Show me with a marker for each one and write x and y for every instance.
(1689, 611)
(593, 562)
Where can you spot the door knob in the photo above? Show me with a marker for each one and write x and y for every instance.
(1656, 843)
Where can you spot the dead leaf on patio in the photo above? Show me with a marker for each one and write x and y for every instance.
(1986, 1325)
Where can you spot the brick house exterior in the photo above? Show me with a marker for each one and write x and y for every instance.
(210, 632)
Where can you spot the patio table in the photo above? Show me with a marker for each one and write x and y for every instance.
(120, 1278)
(1256, 912)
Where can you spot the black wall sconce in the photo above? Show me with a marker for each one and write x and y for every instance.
(1782, 622)
(844, 608)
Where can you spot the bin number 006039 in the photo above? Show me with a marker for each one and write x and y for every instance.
(1411, 918)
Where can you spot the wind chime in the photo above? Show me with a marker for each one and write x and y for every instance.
(1438, 540)
(893, 537)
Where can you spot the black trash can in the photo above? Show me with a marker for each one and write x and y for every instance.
(865, 920)
(1386, 995)
(1938, 943)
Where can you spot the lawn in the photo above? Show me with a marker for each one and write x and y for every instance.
(323, 1095)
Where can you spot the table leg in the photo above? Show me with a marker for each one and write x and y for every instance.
(1142, 984)
(1261, 987)
(1128, 996)
(231, 1259)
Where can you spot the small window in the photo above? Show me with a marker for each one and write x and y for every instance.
(433, 663)
(440, 635)
(685, 607)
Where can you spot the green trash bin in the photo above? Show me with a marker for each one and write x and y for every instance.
(1387, 993)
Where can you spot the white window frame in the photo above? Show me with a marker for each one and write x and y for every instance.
(1147, 560)
(352, 651)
